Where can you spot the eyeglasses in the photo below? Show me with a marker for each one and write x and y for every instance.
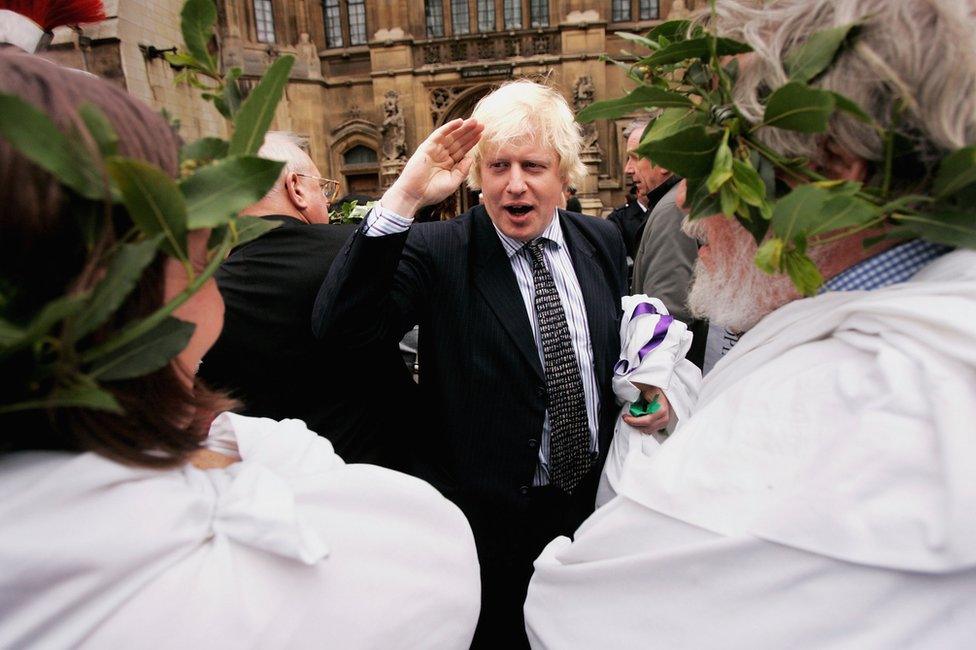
(329, 187)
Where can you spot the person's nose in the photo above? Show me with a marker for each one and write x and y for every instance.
(516, 180)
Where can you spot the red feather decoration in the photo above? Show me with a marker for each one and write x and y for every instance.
(49, 14)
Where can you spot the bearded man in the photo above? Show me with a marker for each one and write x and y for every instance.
(822, 495)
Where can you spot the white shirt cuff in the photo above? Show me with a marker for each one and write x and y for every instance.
(381, 221)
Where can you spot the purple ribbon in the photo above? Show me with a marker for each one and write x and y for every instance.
(660, 332)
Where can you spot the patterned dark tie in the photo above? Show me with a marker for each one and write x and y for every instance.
(569, 432)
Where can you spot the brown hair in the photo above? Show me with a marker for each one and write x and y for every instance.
(43, 255)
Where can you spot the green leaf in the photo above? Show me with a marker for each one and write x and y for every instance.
(51, 314)
(672, 30)
(688, 153)
(38, 139)
(100, 129)
(9, 334)
(249, 228)
(728, 200)
(953, 228)
(196, 21)
(798, 210)
(701, 202)
(640, 40)
(798, 107)
(721, 166)
(217, 192)
(769, 257)
(673, 120)
(153, 201)
(120, 279)
(843, 212)
(204, 150)
(756, 224)
(695, 48)
(816, 54)
(848, 106)
(232, 92)
(640, 98)
(258, 109)
(802, 271)
(146, 353)
(748, 184)
(956, 173)
(82, 393)
(181, 60)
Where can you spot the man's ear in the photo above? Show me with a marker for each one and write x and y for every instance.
(843, 165)
(296, 192)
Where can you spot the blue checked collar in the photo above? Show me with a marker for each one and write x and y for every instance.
(892, 266)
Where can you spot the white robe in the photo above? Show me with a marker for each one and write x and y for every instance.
(822, 495)
(289, 548)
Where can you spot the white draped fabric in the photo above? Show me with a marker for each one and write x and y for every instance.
(288, 548)
(822, 494)
(653, 347)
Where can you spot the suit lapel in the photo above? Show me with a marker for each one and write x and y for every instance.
(593, 287)
(494, 278)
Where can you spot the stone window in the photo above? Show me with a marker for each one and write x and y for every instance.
(620, 11)
(333, 23)
(435, 18)
(650, 9)
(460, 19)
(345, 22)
(264, 21)
(486, 15)
(357, 22)
(360, 155)
(513, 14)
(539, 13)
(627, 10)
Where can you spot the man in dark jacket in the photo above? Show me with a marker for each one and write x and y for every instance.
(267, 355)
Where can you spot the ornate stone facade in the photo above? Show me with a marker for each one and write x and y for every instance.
(398, 73)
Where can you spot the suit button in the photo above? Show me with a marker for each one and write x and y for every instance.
(533, 443)
(524, 490)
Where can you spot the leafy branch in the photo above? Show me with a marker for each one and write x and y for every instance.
(67, 361)
(783, 202)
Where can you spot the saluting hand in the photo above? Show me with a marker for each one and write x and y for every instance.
(436, 168)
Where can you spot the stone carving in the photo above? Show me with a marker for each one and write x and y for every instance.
(394, 131)
(309, 55)
(584, 92)
(678, 10)
(442, 98)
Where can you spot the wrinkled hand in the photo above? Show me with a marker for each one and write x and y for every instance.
(436, 168)
(648, 424)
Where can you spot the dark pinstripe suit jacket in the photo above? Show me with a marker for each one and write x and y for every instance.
(482, 385)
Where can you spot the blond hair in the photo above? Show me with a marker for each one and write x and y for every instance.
(525, 111)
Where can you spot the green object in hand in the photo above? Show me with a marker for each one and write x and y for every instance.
(642, 407)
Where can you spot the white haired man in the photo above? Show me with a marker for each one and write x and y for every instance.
(822, 495)
(519, 306)
(267, 355)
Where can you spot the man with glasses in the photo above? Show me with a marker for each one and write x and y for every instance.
(266, 355)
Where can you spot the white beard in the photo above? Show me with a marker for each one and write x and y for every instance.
(735, 294)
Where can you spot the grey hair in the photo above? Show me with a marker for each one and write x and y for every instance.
(637, 124)
(288, 148)
(922, 52)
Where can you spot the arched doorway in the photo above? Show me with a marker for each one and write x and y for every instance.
(462, 107)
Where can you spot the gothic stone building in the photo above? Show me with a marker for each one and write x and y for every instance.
(373, 77)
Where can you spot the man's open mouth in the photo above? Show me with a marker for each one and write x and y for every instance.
(518, 209)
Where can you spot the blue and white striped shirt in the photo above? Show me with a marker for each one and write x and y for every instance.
(892, 266)
(384, 222)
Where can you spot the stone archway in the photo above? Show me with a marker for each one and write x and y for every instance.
(449, 104)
